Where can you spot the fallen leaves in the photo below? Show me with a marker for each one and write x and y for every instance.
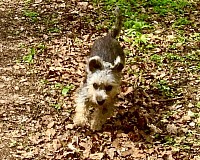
(36, 100)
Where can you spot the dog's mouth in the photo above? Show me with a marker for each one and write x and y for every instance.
(101, 102)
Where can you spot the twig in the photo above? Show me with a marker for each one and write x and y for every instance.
(170, 99)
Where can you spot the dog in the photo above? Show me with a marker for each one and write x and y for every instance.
(95, 99)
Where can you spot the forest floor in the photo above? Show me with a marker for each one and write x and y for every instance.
(43, 50)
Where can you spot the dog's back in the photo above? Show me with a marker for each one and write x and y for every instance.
(107, 47)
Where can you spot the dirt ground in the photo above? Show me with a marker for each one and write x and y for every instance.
(42, 62)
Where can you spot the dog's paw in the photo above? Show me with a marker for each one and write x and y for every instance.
(79, 120)
(95, 126)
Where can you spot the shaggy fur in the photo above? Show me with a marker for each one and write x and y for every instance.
(96, 97)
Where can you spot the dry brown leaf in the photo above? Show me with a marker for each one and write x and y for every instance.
(172, 129)
(111, 152)
(50, 132)
(96, 156)
(56, 144)
(126, 152)
(51, 124)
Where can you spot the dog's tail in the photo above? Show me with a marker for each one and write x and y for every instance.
(118, 24)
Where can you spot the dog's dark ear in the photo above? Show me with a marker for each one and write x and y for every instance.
(118, 65)
(95, 63)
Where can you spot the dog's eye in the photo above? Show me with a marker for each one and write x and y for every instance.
(108, 88)
(95, 85)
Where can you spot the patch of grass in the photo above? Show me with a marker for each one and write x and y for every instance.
(141, 38)
(44, 81)
(156, 58)
(21, 45)
(30, 56)
(13, 143)
(174, 57)
(164, 7)
(28, 1)
(54, 30)
(196, 37)
(168, 140)
(137, 26)
(33, 16)
(165, 88)
(58, 85)
(181, 22)
(193, 56)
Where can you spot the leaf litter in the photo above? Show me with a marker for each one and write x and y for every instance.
(157, 115)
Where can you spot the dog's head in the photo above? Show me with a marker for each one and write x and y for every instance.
(103, 86)
(103, 80)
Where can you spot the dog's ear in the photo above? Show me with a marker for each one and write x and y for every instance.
(95, 63)
(118, 64)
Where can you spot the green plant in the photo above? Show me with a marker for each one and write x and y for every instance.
(141, 38)
(198, 105)
(157, 58)
(165, 88)
(31, 14)
(67, 89)
(192, 56)
(169, 140)
(57, 106)
(28, 1)
(44, 81)
(54, 30)
(172, 56)
(30, 56)
(164, 7)
(181, 21)
(136, 25)
(58, 85)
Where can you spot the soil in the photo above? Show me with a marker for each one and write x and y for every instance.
(43, 50)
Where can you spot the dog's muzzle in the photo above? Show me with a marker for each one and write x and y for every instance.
(101, 102)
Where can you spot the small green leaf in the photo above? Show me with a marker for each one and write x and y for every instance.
(29, 57)
(58, 85)
(66, 89)
(198, 104)
(57, 106)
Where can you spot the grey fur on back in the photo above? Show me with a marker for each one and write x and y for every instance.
(107, 47)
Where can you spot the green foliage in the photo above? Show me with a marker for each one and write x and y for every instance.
(31, 15)
(30, 56)
(28, 1)
(64, 89)
(181, 22)
(168, 140)
(164, 7)
(67, 89)
(57, 106)
(58, 85)
(172, 56)
(136, 25)
(156, 58)
(140, 38)
(198, 105)
(44, 81)
(54, 30)
(165, 88)
(192, 56)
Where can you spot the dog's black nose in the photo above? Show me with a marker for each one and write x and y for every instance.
(101, 102)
